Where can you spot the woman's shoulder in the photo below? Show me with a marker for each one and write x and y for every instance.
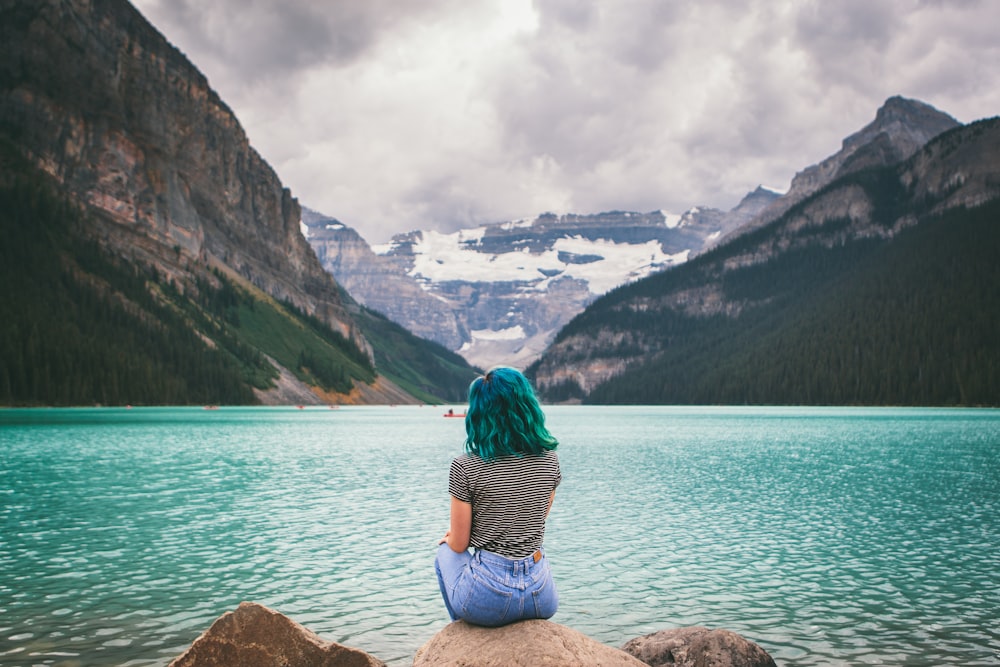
(546, 458)
(470, 460)
(467, 460)
(548, 455)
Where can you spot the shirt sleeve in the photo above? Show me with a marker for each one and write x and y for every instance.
(458, 482)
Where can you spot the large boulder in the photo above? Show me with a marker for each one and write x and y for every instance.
(526, 643)
(697, 647)
(255, 636)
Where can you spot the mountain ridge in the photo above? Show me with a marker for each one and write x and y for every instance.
(491, 314)
(900, 128)
(695, 332)
(173, 221)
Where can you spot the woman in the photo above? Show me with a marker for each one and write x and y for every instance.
(501, 491)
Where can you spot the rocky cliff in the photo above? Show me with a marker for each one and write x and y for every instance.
(381, 284)
(901, 127)
(92, 94)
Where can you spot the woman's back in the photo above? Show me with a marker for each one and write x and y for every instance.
(510, 499)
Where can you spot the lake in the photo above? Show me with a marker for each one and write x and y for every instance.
(829, 536)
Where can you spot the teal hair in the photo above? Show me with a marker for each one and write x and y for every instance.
(504, 417)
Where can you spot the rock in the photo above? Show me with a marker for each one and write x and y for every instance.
(525, 643)
(255, 636)
(697, 647)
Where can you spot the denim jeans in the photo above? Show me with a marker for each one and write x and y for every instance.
(484, 588)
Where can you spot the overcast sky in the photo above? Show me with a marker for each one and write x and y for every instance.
(395, 115)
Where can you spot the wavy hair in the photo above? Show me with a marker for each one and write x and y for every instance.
(504, 417)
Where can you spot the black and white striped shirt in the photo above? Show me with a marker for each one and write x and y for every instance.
(509, 497)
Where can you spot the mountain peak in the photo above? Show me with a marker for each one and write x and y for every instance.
(901, 127)
(760, 192)
(909, 124)
(898, 106)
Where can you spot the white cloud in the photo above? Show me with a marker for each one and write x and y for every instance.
(394, 115)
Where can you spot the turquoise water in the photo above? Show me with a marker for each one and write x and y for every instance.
(828, 536)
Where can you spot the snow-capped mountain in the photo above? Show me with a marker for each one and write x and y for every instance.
(498, 293)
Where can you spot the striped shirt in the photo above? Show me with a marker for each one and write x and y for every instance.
(509, 497)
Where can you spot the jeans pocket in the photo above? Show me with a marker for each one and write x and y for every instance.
(484, 602)
(544, 596)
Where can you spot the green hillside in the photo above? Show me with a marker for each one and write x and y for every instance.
(912, 321)
(426, 369)
(81, 327)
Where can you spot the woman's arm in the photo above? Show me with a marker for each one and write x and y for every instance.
(460, 533)
(551, 500)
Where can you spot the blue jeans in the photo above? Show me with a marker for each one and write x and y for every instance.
(485, 588)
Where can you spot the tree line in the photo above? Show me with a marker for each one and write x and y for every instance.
(914, 321)
(77, 328)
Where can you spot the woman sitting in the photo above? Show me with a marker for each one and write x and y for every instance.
(501, 491)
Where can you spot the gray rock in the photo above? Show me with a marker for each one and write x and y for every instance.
(901, 127)
(255, 636)
(697, 647)
(525, 643)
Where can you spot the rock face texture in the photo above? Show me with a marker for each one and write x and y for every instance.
(697, 647)
(524, 644)
(901, 127)
(379, 283)
(93, 95)
(255, 636)
(962, 168)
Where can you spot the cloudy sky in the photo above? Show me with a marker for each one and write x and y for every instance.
(394, 115)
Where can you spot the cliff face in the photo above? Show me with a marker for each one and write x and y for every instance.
(961, 168)
(381, 284)
(91, 93)
(900, 128)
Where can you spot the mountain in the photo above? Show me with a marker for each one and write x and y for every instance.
(379, 283)
(879, 288)
(901, 127)
(134, 185)
(498, 293)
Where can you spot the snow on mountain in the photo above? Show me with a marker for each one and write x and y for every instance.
(498, 293)
(601, 263)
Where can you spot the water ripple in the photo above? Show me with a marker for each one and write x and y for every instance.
(831, 537)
